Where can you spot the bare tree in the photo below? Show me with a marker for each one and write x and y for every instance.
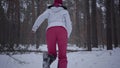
(115, 37)
(94, 38)
(88, 25)
(108, 24)
(77, 5)
(3, 27)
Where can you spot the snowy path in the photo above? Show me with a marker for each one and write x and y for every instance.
(82, 59)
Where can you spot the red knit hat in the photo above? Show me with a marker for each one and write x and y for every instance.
(57, 3)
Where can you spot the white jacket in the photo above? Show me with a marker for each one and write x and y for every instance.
(57, 16)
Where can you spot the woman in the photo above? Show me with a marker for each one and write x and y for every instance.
(58, 31)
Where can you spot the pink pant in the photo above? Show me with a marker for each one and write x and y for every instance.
(57, 35)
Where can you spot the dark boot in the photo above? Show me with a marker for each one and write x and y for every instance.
(47, 60)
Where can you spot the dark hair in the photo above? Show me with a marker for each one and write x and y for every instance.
(60, 6)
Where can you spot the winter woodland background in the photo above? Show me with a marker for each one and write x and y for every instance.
(96, 23)
(94, 42)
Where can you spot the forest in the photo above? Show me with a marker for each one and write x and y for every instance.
(96, 23)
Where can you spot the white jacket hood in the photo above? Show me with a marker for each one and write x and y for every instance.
(56, 9)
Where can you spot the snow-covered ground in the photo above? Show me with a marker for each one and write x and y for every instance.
(81, 59)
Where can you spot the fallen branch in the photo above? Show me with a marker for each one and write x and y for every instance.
(29, 51)
(19, 61)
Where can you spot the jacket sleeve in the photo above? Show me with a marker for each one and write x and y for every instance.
(68, 23)
(40, 20)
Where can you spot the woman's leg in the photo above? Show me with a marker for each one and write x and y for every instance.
(51, 41)
(62, 46)
(49, 57)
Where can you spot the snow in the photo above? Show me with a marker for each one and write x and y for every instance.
(81, 59)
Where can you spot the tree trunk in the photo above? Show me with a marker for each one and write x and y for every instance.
(118, 19)
(33, 12)
(119, 7)
(17, 20)
(11, 18)
(94, 24)
(77, 31)
(88, 25)
(108, 25)
(3, 27)
(115, 37)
